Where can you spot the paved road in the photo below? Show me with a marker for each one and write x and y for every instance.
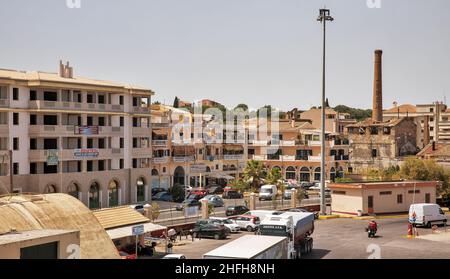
(346, 239)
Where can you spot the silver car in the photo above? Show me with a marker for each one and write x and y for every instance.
(215, 200)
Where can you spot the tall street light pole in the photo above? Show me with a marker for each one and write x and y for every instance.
(324, 16)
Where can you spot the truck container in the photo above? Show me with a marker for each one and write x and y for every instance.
(252, 247)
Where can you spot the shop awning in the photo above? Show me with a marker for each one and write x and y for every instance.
(127, 231)
(220, 176)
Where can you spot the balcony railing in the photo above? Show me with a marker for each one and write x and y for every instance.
(319, 158)
(141, 131)
(161, 160)
(141, 109)
(160, 125)
(76, 154)
(142, 152)
(233, 156)
(4, 102)
(183, 159)
(42, 104)
(159, 142)
(4, 129)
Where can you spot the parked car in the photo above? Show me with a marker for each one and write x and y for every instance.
(247, 222)
(228, 223)
(307, 185)
(201, 192)
(188, 203)
(287, 195)
(207, 228)
(174, 257)
(232, 194)
(215, 190)
(426, 214)
(163, 196)
(215, 200)
(187, 188)
(125, 256)
(157, 190)
(267, 192)
(235, 210)
(138, 207)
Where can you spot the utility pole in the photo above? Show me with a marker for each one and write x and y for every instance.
(324, 16)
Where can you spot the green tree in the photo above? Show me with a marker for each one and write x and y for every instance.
(275, 177)
(176, 102)
(177, 192)
(358, 114)
(418, 169)
(153, 211)
(254, 173)
(239, 185)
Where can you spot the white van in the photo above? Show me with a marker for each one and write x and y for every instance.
(426, 214)
(268, 192)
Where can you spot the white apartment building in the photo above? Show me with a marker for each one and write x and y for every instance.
(85, 137)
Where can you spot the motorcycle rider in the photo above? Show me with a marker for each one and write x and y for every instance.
(373, 226)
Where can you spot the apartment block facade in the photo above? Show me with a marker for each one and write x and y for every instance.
(85, 137)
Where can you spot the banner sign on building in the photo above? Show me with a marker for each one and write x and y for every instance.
(52, 157)
(86, 153)
(86, 130)
(198, 168)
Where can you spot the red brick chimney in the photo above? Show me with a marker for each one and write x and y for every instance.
(377, 113)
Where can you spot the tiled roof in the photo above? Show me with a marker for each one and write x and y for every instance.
(402, 109)
(119, 217)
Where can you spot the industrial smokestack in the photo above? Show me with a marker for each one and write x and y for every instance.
(377, 114)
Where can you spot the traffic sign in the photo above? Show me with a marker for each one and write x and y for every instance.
(138, 230)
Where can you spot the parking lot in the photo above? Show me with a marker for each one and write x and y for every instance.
(346, 238)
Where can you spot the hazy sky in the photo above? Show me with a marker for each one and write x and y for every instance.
(238, 51)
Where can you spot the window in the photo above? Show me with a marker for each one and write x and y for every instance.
(15, 143)
(135, 102)
(386, 130)
(101, 99)
(431, 109)
(412, 192)
(135, 163)
(374, 153)
(101, 121)
(431, 128)
(122, 143)
(101, 143)
(90, 143)
(135, 142)
(90, 98)
(90, 165)
(15, 118)
(33, 119)
(121, 164)
(33, 144)
(431, 119)
(101, 165)
(33, 95)
(50, 96)
(15, 168)
(399, 199)
(135, 122)
(164, 170)
(15, 94)
(90, 120)
(50, 144)
(385, 193)
(33, 168)
(121, 100)
(374, 130)
(121, 121)
(51, 120)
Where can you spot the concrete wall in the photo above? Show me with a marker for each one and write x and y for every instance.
(12, 250)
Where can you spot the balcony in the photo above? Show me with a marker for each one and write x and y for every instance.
(142, 131)
(162, 143)
(142, 152)
(110, 130)
(319, 158)
(41, 104)
(161, 160)
(60, 130)
(4, 103)
(314, 143)
(287, 143)
(76, 154)
(4, 129)
(258, 142)
(160, 125)
(233, 157)
(141, 109)
(183, 159)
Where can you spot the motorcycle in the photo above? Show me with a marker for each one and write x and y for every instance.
(371, 230)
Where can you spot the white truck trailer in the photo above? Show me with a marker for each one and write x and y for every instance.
(252, 247)
(296, 226)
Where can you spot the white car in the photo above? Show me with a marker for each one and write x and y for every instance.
(228, 223)
(247, 222)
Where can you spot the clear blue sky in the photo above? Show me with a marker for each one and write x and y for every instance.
(238, 51)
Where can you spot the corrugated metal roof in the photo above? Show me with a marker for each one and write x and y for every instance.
(119, 217)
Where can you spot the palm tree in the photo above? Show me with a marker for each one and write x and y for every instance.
(275, 177)
(254, 173)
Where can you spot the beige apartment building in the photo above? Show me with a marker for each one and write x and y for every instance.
(85, 137)
(294, 148)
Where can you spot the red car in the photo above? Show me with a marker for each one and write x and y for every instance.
(200, 192)
(126, 256)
